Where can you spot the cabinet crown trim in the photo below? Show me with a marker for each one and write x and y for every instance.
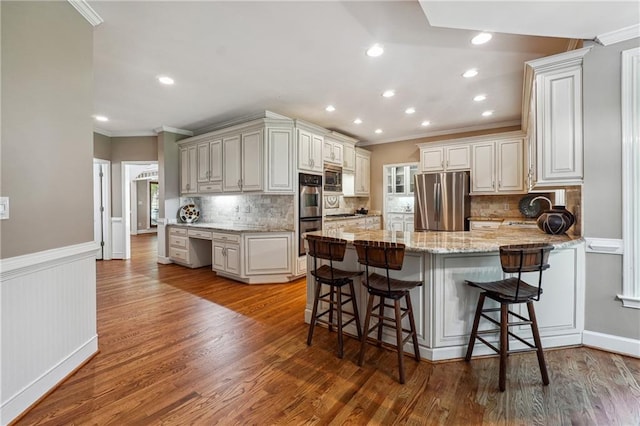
(472, 139)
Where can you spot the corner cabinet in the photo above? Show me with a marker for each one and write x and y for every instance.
(362, 173)
(255, 155)
(552, 110)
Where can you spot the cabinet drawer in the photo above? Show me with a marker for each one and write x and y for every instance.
(484, 224)
(210, 187)
(179, 254)
(203, 235)
(229, 238)
(178, 242)
(180, 232)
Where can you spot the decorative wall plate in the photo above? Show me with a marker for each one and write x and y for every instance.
(528, 209)
(331, 201)
(189, 213)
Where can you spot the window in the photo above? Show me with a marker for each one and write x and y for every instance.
(631, 177)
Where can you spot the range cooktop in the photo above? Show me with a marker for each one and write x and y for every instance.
(342, 215)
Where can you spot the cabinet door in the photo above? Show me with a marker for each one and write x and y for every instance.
(483, 170)
(218, 261)
(251, 161)
(280, 161)
(188, 170)
(559, 126)
(304, 150)
(316, 153)
(203, 162)
(457, 158)
(232, 155)
(413, 171)
(362, 175)
(332, 152)
(408, 223)
(432, 160)
(337, 153)
(510, 166)
(215, 160)
(349, 157)
(268, 254)
(232, 258)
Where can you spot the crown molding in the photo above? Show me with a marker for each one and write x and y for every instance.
(103, 132)
(459, 130)
(87, 12)
(172, 130)
(623, 34)
(262, 115)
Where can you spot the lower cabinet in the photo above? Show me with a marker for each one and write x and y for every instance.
(253, 258)
(402, 222)
(191, 248)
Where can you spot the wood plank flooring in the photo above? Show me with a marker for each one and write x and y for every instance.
(181, 346)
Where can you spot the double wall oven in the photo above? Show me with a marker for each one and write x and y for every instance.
(310, 214)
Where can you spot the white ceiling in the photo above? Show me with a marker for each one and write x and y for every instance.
(231, 59)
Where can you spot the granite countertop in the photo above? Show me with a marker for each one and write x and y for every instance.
(235, 227)
(330, 218)
(457, 242)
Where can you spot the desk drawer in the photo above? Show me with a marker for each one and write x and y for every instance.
(178, 242)
(203, 235)
(179, 232)
(229, 238)
(179, 254)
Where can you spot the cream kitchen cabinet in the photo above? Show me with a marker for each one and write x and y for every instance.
(268, 253)
(279, 166)
(188, 170)
(349, 158)
(498, 167)
(209, 159)
(362, 173)
(444, 158)
(402, 222)
(332, 152)
(242, 158)
(226, 253)
(553, 118)
(309, 151)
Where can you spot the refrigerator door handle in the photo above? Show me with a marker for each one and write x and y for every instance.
(438, 201)
(435, 202)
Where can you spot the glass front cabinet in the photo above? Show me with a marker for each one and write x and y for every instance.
(400, 179)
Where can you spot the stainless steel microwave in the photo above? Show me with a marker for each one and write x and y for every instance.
(332, 178)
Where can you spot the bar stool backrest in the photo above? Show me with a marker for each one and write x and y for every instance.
(327, 248)
(379, 254)
(519, 258)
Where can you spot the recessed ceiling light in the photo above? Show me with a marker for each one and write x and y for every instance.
(378, 131)
(487, 113)
(101, 118)
(480, 98)
(357, 121)
(375, 50)
(388, 93)
(481, 38)
(410, 110)
(165, 80)
(425, 123)
(470, 73)
(330, 108)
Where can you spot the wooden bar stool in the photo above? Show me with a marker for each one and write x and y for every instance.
(333, 250)
(387, 256)
(513, 258)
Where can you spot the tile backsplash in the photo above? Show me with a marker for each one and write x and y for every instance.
(345, 204)
(252, 209)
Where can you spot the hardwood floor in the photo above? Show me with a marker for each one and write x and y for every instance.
(181, 346)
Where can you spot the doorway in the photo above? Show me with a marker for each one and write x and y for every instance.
(132, 170)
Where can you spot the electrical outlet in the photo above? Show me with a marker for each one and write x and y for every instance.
(247, 209)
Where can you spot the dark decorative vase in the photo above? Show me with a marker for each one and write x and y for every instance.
(555, 221)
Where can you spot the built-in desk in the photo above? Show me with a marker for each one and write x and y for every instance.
(444, 305)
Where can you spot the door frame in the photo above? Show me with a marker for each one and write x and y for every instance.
(104, 197)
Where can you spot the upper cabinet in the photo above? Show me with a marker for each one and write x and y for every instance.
(362, 172)
(498, 166)
(444, 158)
(332, 151)
(349, 157)
(310, 146)
(552, 114)
(400, 179)
(340, 150)
(253, 155)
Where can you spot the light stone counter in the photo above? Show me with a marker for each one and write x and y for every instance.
(233, 227)
(331, 218)
(481, 241)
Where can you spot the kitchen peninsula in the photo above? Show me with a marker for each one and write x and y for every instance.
(444, 305)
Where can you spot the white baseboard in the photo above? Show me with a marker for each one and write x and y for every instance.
(611, 343)
(21, 401)
(163, 260)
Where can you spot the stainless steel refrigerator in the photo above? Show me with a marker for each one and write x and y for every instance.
(442, 202)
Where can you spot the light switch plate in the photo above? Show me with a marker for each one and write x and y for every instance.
(4, 208)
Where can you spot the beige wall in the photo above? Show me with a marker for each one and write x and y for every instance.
(602, 190)
(47, 141)
(140, 148)
(406, 152)
(101, 146)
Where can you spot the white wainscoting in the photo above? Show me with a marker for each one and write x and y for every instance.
(117, 237)
(48, 320)
(611, 343)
